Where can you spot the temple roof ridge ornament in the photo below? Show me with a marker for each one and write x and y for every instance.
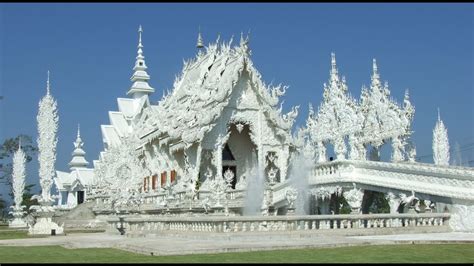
(200, 42)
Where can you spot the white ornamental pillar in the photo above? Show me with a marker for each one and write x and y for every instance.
(47, 119)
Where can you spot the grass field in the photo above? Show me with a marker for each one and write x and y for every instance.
(460, 253)
(10, 234)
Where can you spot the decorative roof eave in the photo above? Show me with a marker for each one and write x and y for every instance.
(177, 146)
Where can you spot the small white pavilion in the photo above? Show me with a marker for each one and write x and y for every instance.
(72, 186)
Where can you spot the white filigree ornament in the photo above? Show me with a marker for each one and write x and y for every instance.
(229, 177)
(272, 175)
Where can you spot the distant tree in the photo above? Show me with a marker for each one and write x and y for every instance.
(3, 206)
(27, 201)
(339, 205)
(375, 202)
(7, 149)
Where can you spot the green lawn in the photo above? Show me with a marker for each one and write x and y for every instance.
(461, 253)
(9, 233)
(13, 234)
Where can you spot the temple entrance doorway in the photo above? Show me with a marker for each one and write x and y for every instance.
(80, 197)
(239, 154)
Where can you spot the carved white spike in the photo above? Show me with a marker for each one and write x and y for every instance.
(440, 143)
(140, 30)
(47, 85)
(18, 186)
(333, 64)
(47, 140)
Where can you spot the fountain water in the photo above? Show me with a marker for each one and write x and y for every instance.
(255, 188)
(298, 178)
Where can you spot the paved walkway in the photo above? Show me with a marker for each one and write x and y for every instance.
(172, 244)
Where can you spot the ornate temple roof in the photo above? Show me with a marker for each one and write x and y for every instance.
(66, 181)
(202, 91)
(198, 98)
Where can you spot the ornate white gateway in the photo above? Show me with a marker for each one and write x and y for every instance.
(220, 144)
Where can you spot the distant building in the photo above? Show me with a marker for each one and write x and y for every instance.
(72, 186)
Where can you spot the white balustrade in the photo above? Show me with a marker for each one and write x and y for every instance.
(277, 223)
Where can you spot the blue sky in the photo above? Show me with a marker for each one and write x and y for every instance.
(90, 50)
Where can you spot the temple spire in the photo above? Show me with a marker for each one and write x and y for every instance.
(140, 77)
(78, 155)
(200, 43)
(244, 43)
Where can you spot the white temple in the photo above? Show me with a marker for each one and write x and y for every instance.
(219, 143)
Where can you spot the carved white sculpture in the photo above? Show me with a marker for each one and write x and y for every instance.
(47, 128)
(374, 121)
(429, 205)
(393, 202)
(120, 174)
(218, 188)
(440, 143)
(411, 202)
(337, 115)
(228, 177)
(354, 198)
(272, 175)
(462, 218)
(18, 186)
(322, 193)
(206, 205)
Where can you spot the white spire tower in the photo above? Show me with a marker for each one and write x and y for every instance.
(78, 155)
(440, 143)
(140, 77)
(18, 187)
(47, 140)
